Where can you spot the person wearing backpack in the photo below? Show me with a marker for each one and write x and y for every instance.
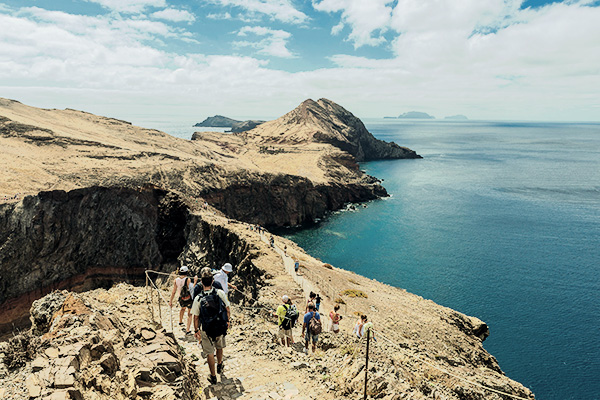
(211, 320)
(288, 314)
(181, 288)
(311, 327)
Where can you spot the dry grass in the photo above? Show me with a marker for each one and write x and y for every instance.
(354, 293)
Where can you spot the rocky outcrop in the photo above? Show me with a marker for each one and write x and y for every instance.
(218, 121)
(96, 347)
(244, 126)
(324, 121)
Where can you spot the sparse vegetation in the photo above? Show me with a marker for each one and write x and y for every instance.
(339, 300)
(353, 281)
(354, 293)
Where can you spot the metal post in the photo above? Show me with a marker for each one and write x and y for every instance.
(367, 361)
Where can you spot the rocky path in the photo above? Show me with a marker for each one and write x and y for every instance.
(256, 367)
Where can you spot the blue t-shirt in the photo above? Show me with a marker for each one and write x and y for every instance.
(308, 316)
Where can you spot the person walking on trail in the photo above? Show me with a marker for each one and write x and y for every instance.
(286, 324)
(223, 278)
(362, 326)
(311, 328)
(296, 266)
(211, 320)
(311, 300)
(335, 319)
(317, 302)
(183, 288)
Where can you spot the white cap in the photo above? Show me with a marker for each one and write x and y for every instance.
(183, 269)
(285, 298)
(227, 267)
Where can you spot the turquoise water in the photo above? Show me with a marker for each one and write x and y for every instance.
(500, 221)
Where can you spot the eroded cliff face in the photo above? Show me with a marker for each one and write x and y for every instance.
(286, 200)
(94, 237)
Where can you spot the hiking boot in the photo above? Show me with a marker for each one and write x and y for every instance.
(220, 368)
(212, 379)
(305, 350)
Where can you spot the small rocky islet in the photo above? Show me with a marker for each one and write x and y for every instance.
(101, 201)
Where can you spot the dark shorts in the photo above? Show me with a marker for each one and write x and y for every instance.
(186, 303)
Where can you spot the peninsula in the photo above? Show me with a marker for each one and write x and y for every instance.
(100, 201)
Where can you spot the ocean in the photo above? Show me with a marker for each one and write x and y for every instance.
(499, 220)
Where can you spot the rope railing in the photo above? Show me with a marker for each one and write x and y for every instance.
(326, 289)
(332, 293)
(152, 287)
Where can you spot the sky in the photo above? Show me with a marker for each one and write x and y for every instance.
(185, 60)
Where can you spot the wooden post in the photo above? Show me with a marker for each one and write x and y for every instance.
(367, 361)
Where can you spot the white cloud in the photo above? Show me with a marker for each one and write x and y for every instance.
(274, 44)
(486, 60)
(280, 10)
(221, 16)
(172, 14)
(129, 6)
(368, 19)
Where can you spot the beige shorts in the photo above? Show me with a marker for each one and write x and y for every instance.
(209, 346)
(284, 333)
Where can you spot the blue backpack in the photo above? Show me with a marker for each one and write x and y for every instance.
(213, 315)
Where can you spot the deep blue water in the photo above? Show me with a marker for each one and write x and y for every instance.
(500, 221)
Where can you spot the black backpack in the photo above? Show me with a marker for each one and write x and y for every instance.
(213, 315)
(185, 290)
(291, 315)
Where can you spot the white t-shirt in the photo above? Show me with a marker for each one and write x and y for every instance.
(196, 303)
(222, 278)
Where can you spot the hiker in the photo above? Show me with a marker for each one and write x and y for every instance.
(335, 319)
(211, 321)
(222, 277)
(311, 328)
(311, 300)
(183, 288)
(296, 266)
(362, 326)
(317, 302)
(288, 314)
(285, 250)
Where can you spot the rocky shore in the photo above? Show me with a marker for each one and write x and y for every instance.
(105, 201)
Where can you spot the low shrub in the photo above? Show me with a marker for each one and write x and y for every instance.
(354, 293)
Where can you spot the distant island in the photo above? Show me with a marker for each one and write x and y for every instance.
(415, 115)
(219, 121)
(458, 117)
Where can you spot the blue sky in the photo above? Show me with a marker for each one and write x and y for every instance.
(185, 60)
